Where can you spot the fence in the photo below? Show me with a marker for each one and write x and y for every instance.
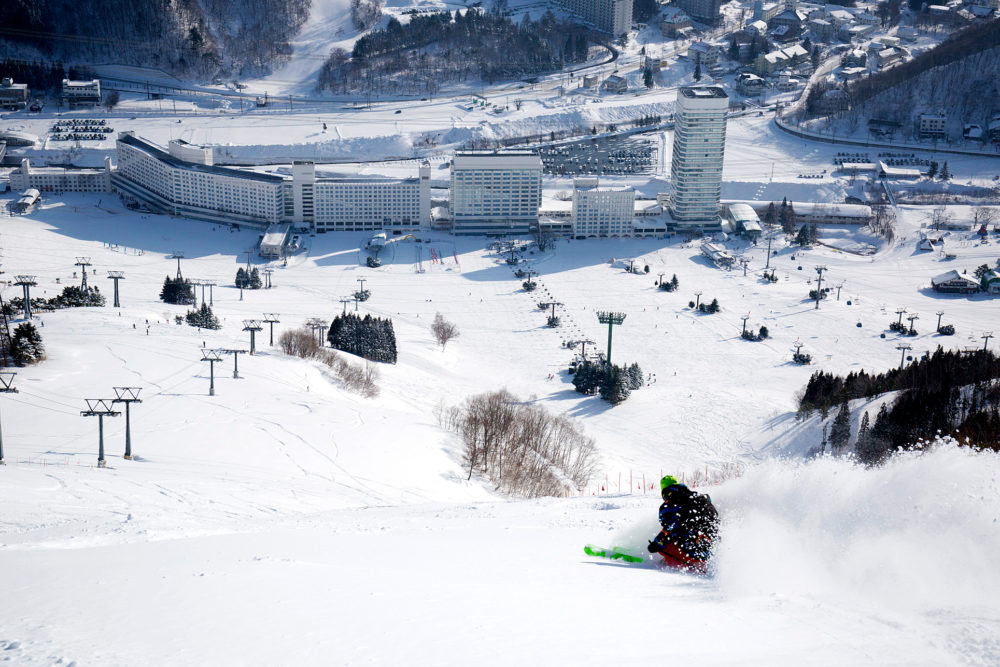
(641, 483)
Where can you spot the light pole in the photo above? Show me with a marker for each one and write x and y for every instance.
(611, 319)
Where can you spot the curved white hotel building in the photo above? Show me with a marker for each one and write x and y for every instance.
(184, 181)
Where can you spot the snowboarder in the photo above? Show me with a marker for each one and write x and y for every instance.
(690, 526)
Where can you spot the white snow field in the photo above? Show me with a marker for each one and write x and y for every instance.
(287, 521)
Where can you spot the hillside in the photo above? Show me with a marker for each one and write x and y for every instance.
(286, 520)
(200, 39)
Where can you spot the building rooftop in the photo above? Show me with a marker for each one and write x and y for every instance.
(160, 154)
(703, 92)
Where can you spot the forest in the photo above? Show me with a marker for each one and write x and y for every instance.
(952, 392)
(439, 47)
(200, 38)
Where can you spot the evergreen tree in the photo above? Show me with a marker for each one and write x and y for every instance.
(647, 77)
(697, 70)
(673, 282)
(241, 278)
(177, 291)
(786, 217)
(203, 318)
(840, 432)
(635, 378)
(614, 390)
(26, 344)
(945, 174)
(802, 238)
(255, 281)
(771, 216)
(932, 169)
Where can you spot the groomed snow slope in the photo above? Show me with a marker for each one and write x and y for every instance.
(286, 521)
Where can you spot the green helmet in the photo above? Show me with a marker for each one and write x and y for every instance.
(668, 480)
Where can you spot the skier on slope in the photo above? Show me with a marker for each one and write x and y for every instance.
(690, 526)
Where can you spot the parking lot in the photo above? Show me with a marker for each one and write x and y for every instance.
(597, 157)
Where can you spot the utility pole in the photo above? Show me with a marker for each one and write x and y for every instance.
(116, 276)
(903, 347)
(819, 284)
(697, 296)
(253, 326)
(178, 255)
(986, 339)
(271, 319)
(267, 277)
(83, 263)
(127, 395)
(6, 386)
(212, 357)
(236, 361)
(611, 319)
(27, 282)
(900, 311)
(100, 408)
(940, 313)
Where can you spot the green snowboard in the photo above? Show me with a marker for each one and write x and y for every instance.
(614, 553)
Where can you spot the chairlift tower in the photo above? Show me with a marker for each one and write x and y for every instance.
(903, 347)
(986, 339)
(209, 284)
(7, 387)
(553, 320)
(819, 284)
(911, 319)
(116, 276)
(100, 408)
(253, 326)
(611, 319)
(127, 395)
(318, 324)
(178, 255)
(236, 361)
(697, 300)
(939, 313)
(83, 263)
(346, 301)
(271, 319)
(900, 312)
(212, 357)
(27, 282)
(267, 277)
(5, 340)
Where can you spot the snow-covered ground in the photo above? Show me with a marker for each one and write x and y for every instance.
(288, 521)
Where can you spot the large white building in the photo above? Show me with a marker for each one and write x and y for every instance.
(81, 93)
(495, 193)
(611, 16)
(598, 211)
(58, 179)
(696, 165)
(184, 181)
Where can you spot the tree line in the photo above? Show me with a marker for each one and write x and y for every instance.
(433, 48)
(370, 337)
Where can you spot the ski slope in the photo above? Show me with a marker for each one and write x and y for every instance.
(287, 521)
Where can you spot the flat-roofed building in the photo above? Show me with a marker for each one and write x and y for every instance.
(708, 12)
(13, 95)
(81, 93)
(60, 179)
(610, 16)
(696, 164)
(496, 192)
(598, 211)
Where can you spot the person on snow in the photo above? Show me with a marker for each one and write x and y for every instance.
(690, 526)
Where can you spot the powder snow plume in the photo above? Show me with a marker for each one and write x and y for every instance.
(919, 534)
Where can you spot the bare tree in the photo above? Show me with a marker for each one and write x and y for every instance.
(443, 330)
(984, 215)
(940, 216)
